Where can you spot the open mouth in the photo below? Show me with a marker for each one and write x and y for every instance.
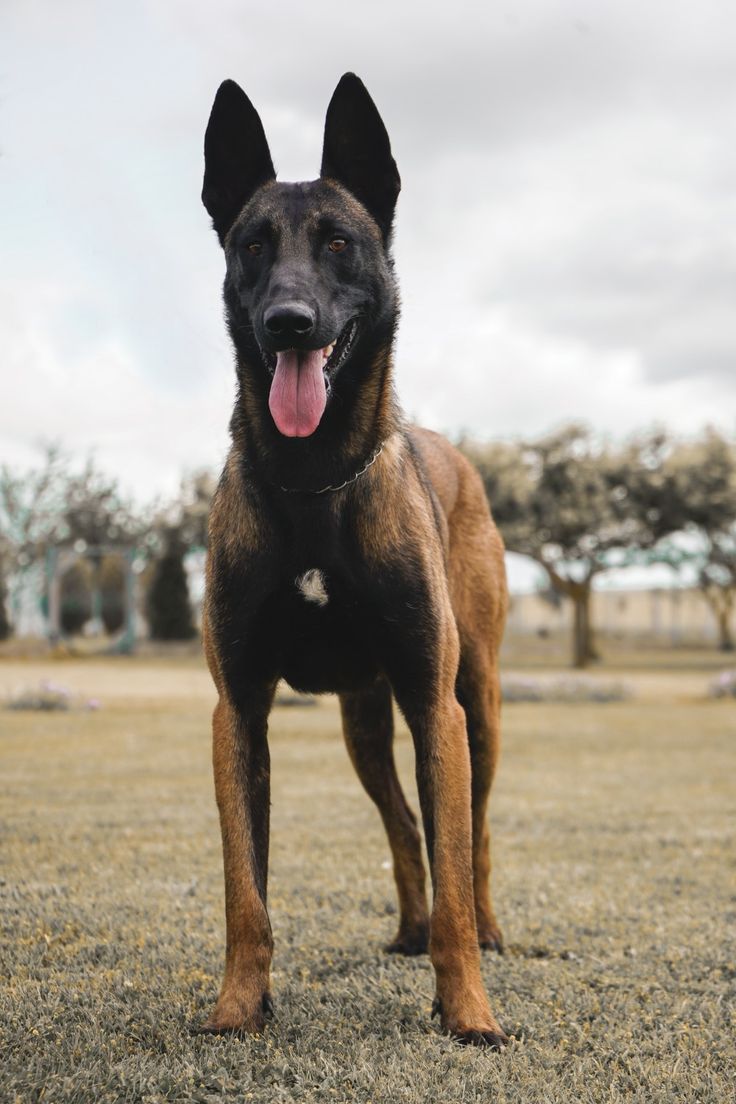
(302, 381)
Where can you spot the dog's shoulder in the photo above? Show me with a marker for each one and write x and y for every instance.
(236, 519)
(450, 474)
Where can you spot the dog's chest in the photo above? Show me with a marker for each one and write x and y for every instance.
(323, 631)
(312, 586)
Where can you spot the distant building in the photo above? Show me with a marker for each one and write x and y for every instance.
(674, 614)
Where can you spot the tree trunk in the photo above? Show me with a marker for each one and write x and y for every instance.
(725, 641)
(593, 653)
(582, 639)
(4, 621)
(721, 601)
(583, 647)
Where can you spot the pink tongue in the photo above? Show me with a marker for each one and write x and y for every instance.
(298, 395)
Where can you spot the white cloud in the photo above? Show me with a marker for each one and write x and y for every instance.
(565, 241)
(97, 399)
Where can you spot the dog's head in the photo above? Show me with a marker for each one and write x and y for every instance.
(309, 289)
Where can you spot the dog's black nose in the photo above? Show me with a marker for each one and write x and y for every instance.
(286, 320)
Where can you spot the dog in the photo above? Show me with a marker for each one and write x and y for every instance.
(349, 552)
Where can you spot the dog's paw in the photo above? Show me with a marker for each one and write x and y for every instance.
(490, 1040)
(487, 1033)
(490, 938)
(414, 942)
(233, 1016)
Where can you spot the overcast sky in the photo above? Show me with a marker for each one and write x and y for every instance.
(565, 233)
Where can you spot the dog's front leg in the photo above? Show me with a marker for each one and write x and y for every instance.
(242, 786)
(426, 694)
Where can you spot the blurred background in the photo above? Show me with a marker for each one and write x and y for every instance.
(565, 247)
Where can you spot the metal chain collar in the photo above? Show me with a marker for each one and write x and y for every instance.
(338, 486)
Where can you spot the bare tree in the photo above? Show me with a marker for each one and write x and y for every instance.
(30, 506)
(30, 502)
(55, 504)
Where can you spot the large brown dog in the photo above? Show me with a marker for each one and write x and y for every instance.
(349, 553)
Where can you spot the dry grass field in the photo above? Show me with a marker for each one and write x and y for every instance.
(614, 880)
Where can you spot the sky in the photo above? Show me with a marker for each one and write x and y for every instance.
(565, 237)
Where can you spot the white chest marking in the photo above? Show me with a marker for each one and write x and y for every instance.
(313, 587)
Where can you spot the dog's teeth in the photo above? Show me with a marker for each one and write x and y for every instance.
(329, 350)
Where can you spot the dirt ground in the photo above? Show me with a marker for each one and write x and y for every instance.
(614, 881)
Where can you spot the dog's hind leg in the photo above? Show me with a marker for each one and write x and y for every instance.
(367, 719)
(478, 692)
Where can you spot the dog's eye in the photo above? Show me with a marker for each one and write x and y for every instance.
(255, 247)
(337, 245)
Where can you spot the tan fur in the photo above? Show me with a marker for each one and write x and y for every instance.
(464, 567)
(468, 583)
(477, 581)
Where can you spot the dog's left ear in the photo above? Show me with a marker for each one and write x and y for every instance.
(357, 151)
(236, 156)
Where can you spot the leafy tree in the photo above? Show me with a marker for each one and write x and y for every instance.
(717, 581)
(578, 508)
(94, 510)
(197, 491)
(561, 500)
(688, 499)
(703, 483)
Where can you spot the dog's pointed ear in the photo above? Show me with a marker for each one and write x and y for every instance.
(357, 151)
(236, 156)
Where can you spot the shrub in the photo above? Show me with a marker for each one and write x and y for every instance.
(566, 688)
(112, 592)
(168, 608)
(49, 696)
(76, 598)
(724, 685)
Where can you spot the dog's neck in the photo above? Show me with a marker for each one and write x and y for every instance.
(363, 413)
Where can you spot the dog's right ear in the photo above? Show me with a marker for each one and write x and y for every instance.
(237, 159)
